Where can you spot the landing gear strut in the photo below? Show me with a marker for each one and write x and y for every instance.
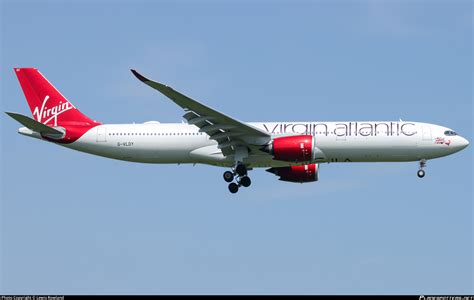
(240, 175)
(421, 172)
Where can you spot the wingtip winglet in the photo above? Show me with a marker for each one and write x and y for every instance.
(139, 76)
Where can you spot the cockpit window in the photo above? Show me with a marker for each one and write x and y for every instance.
(450, 133)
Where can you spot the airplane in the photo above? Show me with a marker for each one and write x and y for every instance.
(292, 151)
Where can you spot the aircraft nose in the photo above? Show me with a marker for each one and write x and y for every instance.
(463, 143)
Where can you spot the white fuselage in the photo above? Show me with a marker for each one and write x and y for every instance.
(153, 142)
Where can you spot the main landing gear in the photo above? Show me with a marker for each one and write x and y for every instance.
(421, 172)
(240, 173)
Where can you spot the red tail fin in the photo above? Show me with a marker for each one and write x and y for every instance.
(46, 103)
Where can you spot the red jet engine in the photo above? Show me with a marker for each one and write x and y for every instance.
(303, 173)
(298, 148)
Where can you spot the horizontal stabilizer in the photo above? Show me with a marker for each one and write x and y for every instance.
(35, 125)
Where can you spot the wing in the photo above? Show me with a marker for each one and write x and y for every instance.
(228, 132)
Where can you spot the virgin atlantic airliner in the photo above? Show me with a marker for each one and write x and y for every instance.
(290, 150)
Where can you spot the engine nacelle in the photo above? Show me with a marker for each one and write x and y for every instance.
(303, 173)
(298, 148)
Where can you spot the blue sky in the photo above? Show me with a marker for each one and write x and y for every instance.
(75, 223)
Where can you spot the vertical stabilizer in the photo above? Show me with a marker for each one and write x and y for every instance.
(47, 104)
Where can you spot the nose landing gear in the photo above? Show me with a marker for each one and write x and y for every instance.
(421, 172)
(240, 174)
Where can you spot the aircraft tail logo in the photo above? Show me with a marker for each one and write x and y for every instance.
(47, 104)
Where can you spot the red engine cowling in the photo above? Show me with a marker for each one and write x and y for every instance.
(298, 148)
(303, 173)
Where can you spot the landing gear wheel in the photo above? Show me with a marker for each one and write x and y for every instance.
(245, 181)
(228, 176)
(421, 173)
(241, 169)
(233, 188)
